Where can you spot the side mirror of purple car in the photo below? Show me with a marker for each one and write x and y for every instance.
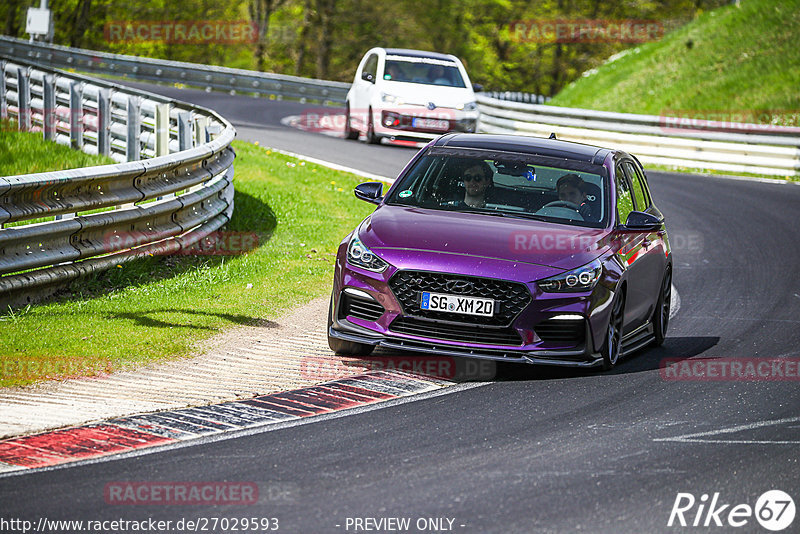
(370, 191)
(641, 221)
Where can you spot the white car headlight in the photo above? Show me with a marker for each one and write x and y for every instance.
(469, 106)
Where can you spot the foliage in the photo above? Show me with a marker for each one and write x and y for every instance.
(744, 59)
(326, 38)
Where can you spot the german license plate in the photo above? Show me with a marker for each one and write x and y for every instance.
(431, 124)
(457, 304)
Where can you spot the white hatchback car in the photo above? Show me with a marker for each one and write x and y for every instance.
(409, 95)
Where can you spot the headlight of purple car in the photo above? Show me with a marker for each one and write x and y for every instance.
(361, 256)
(583, 278)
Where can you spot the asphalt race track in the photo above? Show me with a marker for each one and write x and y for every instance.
(536, 450)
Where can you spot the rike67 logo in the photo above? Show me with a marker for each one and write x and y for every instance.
(774, 510)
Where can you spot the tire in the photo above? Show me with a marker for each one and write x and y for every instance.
(345, 348)
(612, 347)
(661, 313)
(371, 137)
(349, 133)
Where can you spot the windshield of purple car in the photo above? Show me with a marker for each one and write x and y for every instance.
(510, 188)
(422, 70)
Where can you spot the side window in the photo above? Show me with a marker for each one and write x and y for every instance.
(371, 66)
(641, 198)
(624, 197)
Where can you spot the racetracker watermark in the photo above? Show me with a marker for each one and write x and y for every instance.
(193, 32)
(774, 510)
(735, 369)
(552, 242)
(181, 493)
(556, 243)
(323, 119)
(586, 31)
(220, 243)
(29, 368)
(734, 121)
(444, 367)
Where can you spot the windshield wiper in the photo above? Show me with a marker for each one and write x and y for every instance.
(513, 215)
(524, 215)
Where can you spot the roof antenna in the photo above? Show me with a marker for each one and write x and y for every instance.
(552, 135)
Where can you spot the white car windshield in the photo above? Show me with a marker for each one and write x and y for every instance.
(422, 70)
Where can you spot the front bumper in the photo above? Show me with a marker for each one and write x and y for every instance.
(421, 123)
(564, 358)
(375, 325)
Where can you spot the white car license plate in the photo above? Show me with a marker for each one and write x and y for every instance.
(433, 124)
(457, 304)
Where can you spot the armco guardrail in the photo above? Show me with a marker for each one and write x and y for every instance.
(206, 77)
(517, 96)
(172, 187)
(733, 147)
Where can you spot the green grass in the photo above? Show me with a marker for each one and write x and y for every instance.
(742, 59)
(159, 307)
(27, 153)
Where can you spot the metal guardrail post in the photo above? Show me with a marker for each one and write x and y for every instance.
(3, 100)
(49, 107)
(162, 135)
(132, 145)
(76, 115)
(162, 129)
(201, 131)
(103, 122)
(184, 130)
(24, 99)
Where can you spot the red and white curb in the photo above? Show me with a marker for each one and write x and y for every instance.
(135, 432)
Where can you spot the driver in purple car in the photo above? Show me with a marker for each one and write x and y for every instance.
(477, 179)
(571, 188)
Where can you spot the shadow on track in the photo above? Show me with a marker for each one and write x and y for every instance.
(647, 359)
(458, 369)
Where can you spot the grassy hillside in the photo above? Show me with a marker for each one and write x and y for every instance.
(742, 58)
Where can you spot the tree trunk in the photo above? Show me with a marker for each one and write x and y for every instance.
(555, 85)
(325, 11)
(80, 22)
(302, 37)
(12, 22)
(260, 11)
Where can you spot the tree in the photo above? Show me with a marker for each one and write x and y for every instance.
(260, 12)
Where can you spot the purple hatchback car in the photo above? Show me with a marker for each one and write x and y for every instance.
(507, 248)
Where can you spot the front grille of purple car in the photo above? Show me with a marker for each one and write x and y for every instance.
(510, 297)
(456, 332)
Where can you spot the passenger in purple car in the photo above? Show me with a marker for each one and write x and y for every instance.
(573, 190)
